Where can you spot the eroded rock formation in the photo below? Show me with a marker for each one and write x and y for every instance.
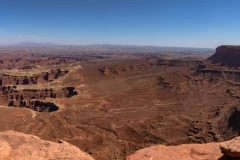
(34, 79)
(33, 98)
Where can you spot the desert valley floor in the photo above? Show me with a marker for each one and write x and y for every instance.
(110, 106)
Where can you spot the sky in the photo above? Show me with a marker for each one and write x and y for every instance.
(181, 23)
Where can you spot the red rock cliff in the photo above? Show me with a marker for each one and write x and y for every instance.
(227, 55)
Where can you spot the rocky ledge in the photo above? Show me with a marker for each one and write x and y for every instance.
(229, 150)
(20, 146)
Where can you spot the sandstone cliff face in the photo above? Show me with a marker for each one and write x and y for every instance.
(34, 79)
(227, 55)
(15, 145)
(33, 98)
(228, 150)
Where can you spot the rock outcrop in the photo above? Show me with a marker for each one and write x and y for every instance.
(227, 55)
(231, 148)
(15, 145)
(209, 151)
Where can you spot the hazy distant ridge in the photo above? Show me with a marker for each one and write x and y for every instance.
(113, 47)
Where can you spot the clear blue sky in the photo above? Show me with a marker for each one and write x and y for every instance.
(189, 23)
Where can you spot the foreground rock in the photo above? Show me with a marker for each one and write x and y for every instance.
(15, 145)
(210, 151)
(231, 148)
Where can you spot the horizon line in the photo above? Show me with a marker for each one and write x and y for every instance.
(100, 44)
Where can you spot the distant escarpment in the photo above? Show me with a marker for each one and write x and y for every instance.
(227, 56)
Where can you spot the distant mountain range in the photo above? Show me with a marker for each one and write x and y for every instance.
(113, 47)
